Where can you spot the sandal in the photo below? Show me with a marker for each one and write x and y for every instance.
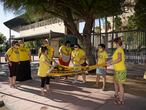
(116, 96)
(119, 102)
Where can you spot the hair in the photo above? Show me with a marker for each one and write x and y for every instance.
(78, 45)
(14, 42)
(20, 41)
(102, 46)
(118, 41)
(67, 42)
(43, 49)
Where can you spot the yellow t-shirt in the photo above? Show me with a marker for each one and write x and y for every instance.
(65, 50)
(78, 56)
(121, 65)
(24, 53)
(13, 54)
(50, 52)
(102, 57)
(43, 67)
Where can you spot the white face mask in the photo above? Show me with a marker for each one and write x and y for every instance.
(21, 45)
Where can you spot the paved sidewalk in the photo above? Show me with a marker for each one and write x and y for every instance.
(64, 96)
(68, 96)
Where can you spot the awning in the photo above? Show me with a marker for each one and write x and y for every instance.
(49, 35)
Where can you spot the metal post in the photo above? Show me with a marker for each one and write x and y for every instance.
(10, 36)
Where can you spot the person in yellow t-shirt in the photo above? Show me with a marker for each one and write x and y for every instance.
(50, 54)
(50, 49)
(101, 60)
(44, 64)
(118, 62)
(65, 54)
(78, 57)
(12, 57)
(24, 66)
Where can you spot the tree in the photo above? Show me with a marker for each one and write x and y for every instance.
(70, 11)
(131, 24)
(2, 38)
(140, 14)
(117, 23)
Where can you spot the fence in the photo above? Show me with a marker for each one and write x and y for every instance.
(134, 44)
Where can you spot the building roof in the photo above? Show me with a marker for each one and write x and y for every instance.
(51, 35)
(16, 22)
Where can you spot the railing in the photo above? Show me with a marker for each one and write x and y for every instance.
(134, 44)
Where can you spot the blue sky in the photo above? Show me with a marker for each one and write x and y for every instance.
(5, 16)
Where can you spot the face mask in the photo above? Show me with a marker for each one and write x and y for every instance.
(114, 45)
(45, 45)
(16, 46)
(21, 45)
(100, 49)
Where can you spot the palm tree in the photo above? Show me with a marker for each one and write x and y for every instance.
(70, 11)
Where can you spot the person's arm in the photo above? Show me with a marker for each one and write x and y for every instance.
(112, 62)
(7, 56)
(29, 54)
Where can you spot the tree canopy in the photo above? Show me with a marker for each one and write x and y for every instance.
(70, 11)
(2, 38)
(140, 14)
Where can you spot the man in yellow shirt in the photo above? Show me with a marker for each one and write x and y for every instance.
(79, 59)
(24, 66)
(12, 57)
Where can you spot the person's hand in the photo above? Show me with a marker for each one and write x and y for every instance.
(108, 64)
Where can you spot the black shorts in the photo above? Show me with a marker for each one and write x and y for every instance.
(13, 69)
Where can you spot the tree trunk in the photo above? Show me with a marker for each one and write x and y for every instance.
(106, 33)
(87, 41)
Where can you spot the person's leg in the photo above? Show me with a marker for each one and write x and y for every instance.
(11, 81)
(10, 76)
(47, 83)
(42, 85)
(121, 90)
(104, 82)
(14, 81)
(97, 80)
(84, 77)
(116, 88)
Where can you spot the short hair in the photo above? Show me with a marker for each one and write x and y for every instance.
(14, 42)
(118, 41)
(67, 42)
(43, 49)
(102, 46)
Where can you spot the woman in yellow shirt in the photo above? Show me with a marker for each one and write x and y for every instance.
(118, 62)
(44, 64)
(24, 66)
(65, 54)
(12, 57)
(79, 59)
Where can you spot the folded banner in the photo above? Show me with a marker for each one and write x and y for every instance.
(61, 70)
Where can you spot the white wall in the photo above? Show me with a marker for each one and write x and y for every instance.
(56, 27)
